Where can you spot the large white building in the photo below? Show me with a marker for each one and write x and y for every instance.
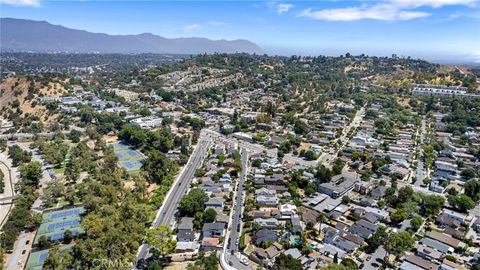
(147, 122)
(441, 91)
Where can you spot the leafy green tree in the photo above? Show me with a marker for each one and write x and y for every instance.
(472, 189)
(160, 238)
(461, 202)
(323, 173)
(432, 204)
(468, 173)
(286, 262)
(349, 264)
(398, 216)
(67, 236)
(2, 183)
(209, 215)
(193, 202)
(159, 168)
(398, 243)
(405, 193)
(378, 238)
(31, 173)
(416, 222)
(18, 155)
(204, 263)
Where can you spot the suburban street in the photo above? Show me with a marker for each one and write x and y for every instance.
(235, 227)
(166, 213)
(327, 158)
(421, 173)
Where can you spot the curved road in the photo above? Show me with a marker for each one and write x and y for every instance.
(9, 191)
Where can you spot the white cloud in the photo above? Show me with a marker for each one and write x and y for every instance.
(282, 8)
(279, 7)
(191, 28)
(31, 3)
(392, 10)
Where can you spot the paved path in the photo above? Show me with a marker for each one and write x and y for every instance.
(21, 249)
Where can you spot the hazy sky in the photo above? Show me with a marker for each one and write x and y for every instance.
(430, 29)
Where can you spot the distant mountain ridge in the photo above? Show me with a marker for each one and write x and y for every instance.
(41, 36)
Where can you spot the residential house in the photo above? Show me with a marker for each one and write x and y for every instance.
(213, 229)
(378, 192)
(270, 223)
(294, 252)
(210, 244)
(215, 202)
(429, 253)
(296, 224)
(420, 262)
(185, 225)
(266, 200)
(265, 235)
(184, 247)
(288, 209)
(339, 185)
(454, 215)
(445, 239)
(265, 192)
(437, 245)
(185, 236)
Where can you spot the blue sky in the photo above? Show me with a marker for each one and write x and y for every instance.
(430, 29)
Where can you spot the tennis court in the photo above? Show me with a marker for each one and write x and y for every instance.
(60, 235)
(63, 224)
(128, 157)
(55, 223)
(36, 259)
(62, 214)
(131, 165)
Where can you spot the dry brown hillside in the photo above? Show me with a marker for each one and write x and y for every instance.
(14, 93)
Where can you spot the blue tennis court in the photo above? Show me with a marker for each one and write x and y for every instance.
(63, 224)
(120, 146)
(67, 213)
(42, 257)
(131, 165)
(128, 157)
(61, 235)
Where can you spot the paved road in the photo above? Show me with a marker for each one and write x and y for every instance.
(421, 173)
(166, 213)
(9, 191)
(327, 158)
(235, 224)
(21, 249)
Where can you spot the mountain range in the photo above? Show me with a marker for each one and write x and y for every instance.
(40, 36)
